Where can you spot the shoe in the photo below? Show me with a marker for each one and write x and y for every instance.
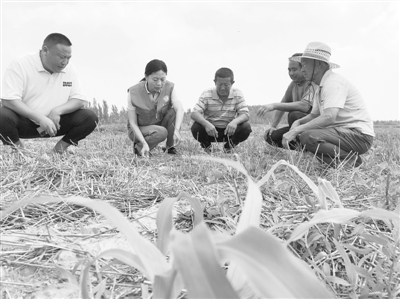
(358, 162)
(228, 150)
(172, 150)
(207, 150)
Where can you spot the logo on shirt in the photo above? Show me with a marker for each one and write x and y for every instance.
(67, 84)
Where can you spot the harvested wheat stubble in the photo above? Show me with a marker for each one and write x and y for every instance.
(103, 168)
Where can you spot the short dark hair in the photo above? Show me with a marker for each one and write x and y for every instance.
(296, 55)
(224, 72)
(56, 38)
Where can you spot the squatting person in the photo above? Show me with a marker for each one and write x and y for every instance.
(155, 112)
(42, 97)
(221, 114)
(298, 101)
(339, 126)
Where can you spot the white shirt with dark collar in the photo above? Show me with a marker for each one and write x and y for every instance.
(335, 91)
(26, 80)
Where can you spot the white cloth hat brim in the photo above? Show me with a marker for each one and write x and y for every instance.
(298, 59)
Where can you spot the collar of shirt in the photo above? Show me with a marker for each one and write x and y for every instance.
(215, 95)
(39, 65)
(324, 77)
(153, 98)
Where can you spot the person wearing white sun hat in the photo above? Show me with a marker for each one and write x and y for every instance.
(339, 127)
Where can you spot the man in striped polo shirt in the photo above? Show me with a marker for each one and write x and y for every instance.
(221, 114)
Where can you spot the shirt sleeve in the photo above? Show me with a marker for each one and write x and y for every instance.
(174, 96)
(309, 94)
(315, 107)
(241, 106)
(201, 104)
(288, 96)
(130, 106)
(334, 95)
(13, 83)
(76, 90)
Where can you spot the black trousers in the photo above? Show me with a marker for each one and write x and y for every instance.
(242, 132)
(75, 126)
(276, 137)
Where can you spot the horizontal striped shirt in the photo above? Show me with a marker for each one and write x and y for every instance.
(220, 113)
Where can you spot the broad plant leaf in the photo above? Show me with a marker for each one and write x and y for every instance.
(350, 271)
(153, 262)
(202, 276)
(309, 182)
(340, 216)
(329, 191)
(124, 256)
(230, 163)
(272, 270)
(167, 285)
(164, 218)
(250, 216)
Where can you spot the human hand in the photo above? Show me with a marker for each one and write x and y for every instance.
(145, 150)
(268, 132)
(230, 128)
(287, 137)
(211, 130)
(177, 137)
(48, 126)
(264, 109)
(295, 124)
(55, 117)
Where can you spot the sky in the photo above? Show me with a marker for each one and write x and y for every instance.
(112, 41)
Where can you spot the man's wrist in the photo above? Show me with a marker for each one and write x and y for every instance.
(55, 111)
(234, 121)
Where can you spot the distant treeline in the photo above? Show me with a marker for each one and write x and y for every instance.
(108, 115)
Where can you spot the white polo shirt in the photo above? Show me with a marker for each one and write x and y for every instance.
(26, 80)
(335, 91)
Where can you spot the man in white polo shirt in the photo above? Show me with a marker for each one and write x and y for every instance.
(339, 127)
(42, 97)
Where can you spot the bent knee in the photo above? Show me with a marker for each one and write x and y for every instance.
(90, 115)
(161, 133)
(245, 128)
(309, 138)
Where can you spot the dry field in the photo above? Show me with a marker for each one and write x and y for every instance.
(44, 246)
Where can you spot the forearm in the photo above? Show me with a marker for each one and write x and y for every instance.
(199, 118)
(313, 121)
(241, 118)
(179, 117)
(70, 106)
(22, 109)
(294, 106)
(132, 118)
(277, 118)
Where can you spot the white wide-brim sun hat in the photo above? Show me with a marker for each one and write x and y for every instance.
(317, 51)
